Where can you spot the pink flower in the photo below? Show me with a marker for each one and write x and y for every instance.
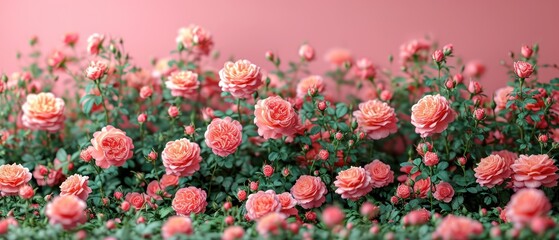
(224, 136)
(523, 69)
(376, 118)
(309, 191)
(111, 147)
(189, 200)
(312, 84)
(6, 223)
(12, 178)
(403, 191)
(155, 191)
(43, 111)
(75, 185)
(380, 173)
(241, 79)
(275, 118)
(262, 203)
(137, 200)
(95, 43)
(417, 217)
(56, 59)
(417, 48)
(332, 216)
(353, 183)
(71, 39)
(146, 92)
(369, 210)
(444, 192)
(364, 69)
(430, 159)
(271, 224)
(176, 225)
(534, 171)
(458, 228)
(183, 84)
(233, 233)
(68, 211)
(338, 57)
(85, 154)
(474, 69)
(195, 39)
(492, 170)
(181, 157)
(48, 176)
(431, 115)
(140, 78)
(142, 118)
(173, 111)
(422, 187)
(96, 70)
(438, 56)
(26, 192)
(306, 52)
(539, 225)
(502, 96)
(526, 51)
(169, 181)
(527, 205)
(287, 204)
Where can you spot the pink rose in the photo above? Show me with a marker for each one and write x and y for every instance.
(474, 69)
(181, 157)
(422, 187)
(56, 59)
(338, 57)
(233, 233)
(430, 159)
(111, 147)
(95, 43)
(275, 118)
(96, 70)
(262, 203)
(417, 217)
(309, 191)
(364, 69)
(43, 111)
(332, 216)
(241, 79)
(271, 224)
(454, 227)
(288, 204)
(417, 48)
(376, 118)
(195, 39)
(527, 205)
(444, 192)
(183, 84)
(523, 69)
(71, 39)
(189, 200)
(353, 183)
(224, 136)
(403, 191)
(176, 225)
(533, 171)
(12, 178)
(502, 96)
(492, 170)
(431, 115)
(526, 51)
(146, 92)
(312, 84)
(68, 211)
(380, 173)
(306, 52)
(75, 185)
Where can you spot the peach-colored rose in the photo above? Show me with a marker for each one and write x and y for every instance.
(176, 225)
(288, 204)
(534, 171)
(417, 47)
(56, 59)
(195, 39)
(457, 228)
(76, 185)
(156, 190)
(353, 183)
(492, 170)
(508, 156)
(183, 84)
(381, 175)
(12, 178)
(48, 176)
(43, 111)
(111, 147)
(431, 115)
(444, 192)
(271, 224)
(403, 191)
(94, 43)
(189, 200)
(275, 118)
(338, 57)
(364, 69)
(332, 216)
(169, 181)
(181, 157)
(224, 136)
(309, 191)
(312, 84)
(137, 200)
(502, 96)
(261, 203)
(139, 79)
(96, 69)
(526, 205)
(26, 192)
(233, 233)
(417, 217)
(68, 211)
(376, 118)
(241, 78)
(422, 187)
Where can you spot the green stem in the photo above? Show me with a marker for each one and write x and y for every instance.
(97, 83)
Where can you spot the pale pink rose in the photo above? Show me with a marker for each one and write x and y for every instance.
(534, 171)
(313, 84)
(111, 147)
(183, 84)
(47, 176)
(224, 136)
(338, 57)
(43, 111)
(146, 92)
(95, 43)
(417, 47)
(380, 173)
(181, 157)
(76, 185)
(176, 225)
(195, 39)
(190, 200)
(68, 211)
(457, 228)
(376, 118)
(353, 183)
(417, 217)
(527, 205)
(492, 170)
(523, 69)
(271, 224)
(233, 233)
(309, 191)
(443, 192)
(431, 115)
(139, 79)
(56, 59)
(288, 204)
(422, 187)
(262, 203)
(71, 39)
(241, 78)
(275, 118)
(332, 216)
(96, 70)
(12, 178)
(364, 69)
(306, 52)
(474, 69)
(502, 96)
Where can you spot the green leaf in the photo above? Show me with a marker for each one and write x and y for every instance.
(61, 155)
(341, 110)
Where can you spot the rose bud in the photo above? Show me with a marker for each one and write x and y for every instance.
(479, 114)
(523, 69)
(447, 49)
(526, 51)
(438, 56)
(142, 118)
(306, 52)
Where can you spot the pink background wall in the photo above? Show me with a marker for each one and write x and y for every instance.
(484, 30)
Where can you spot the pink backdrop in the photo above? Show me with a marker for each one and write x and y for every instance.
(484, 30)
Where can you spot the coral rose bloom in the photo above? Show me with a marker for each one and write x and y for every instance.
(431, 115)
(68, 211)
(43, 111)
(181, 157)
(224, 136)
(457, 228)
(380, 173)
(176, 225)
(261, 203)
(287, 204)
(111, 147)
(75, 185)
(271, 224)
(241, 78)
(376, 118)
(189, 200)
(275, 118)
(183, 84)
(196, 39)
(313, 84)
(417, 217)
(492, 170)
(508, 156)
(353, 183)
(526, 205)
(309, 191)
(444, 192)
(422, 187)
(534, 171)
(233, 233)
(12, 178)
(502, 96)
(338, 57)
